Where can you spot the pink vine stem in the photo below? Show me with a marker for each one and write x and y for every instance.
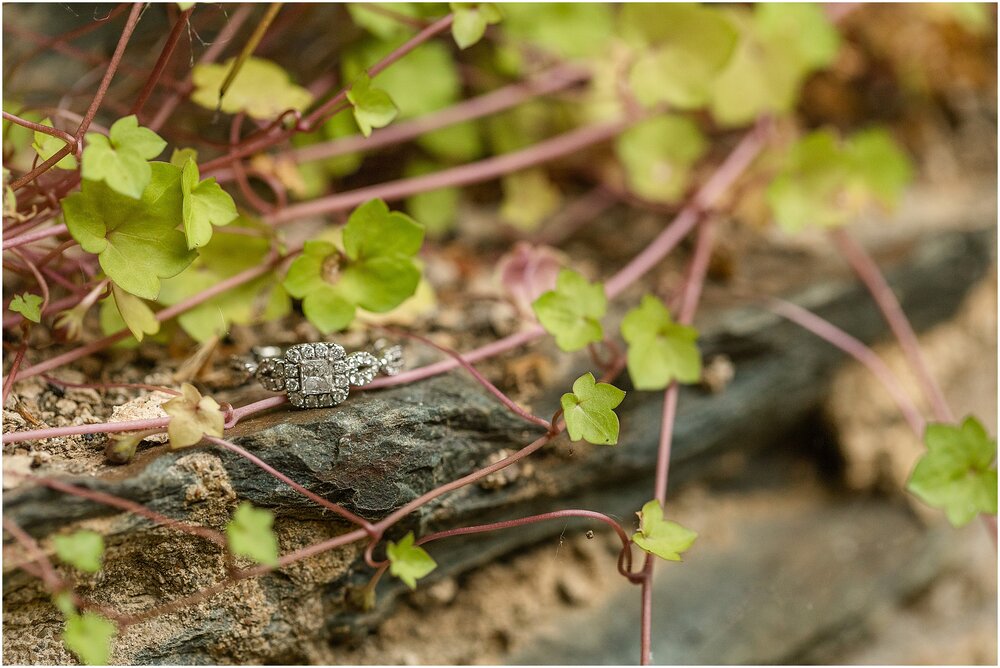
(260, 463)
(487, 104)
(462, 175)
(872, 277)
(219, 44)
(859, 351)
(116, 58)
(690, 296)
(335, 103)
(163, 60)
(165, 314)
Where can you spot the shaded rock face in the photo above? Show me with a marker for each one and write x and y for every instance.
(381, 449)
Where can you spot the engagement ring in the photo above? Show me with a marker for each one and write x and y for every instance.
(319, 375)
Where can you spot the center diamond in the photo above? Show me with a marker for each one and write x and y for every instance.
(317, 376)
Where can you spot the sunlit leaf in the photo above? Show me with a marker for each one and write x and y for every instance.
(589, 411)
(250, 534)
(261, 88)
(409, 562)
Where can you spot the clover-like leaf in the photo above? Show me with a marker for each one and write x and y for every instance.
(409, 562)
(660, 537)
(826, 182)
(779, 46)
(204, 204)
(589, 411)
(259, 300)
(28, 305)
(83, 549)
(658, 154)
(373, 108)
(957, 472)
(660, 351)
(529, 197)
(46, 146)
(426, 80)
(683, 47)
(250, 534)
(135, 313)
(88, 635)
(261, 88)
(192, 416)
(572, 312)
(121, 159)
(137, 241)
(471, 19)
(375, 271)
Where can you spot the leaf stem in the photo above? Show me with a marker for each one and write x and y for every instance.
(859, 351)
(133, 19)
(866, 269)
(264, 466)
(475, 172)
(161, 63)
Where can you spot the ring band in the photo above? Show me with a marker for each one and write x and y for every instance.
(320, 375)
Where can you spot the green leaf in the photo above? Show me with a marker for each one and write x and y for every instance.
(136, 240)
(376, 271)
(192, 416)
(827, 183)
(184, 6)
(88, 636)
(204, 204)
(957, 472)
(589, 411)
(663, 538)
(659, 350)
(436, 209)
(326, 309)
(82, 549)
(120, 160)
(658, 154)
(373, 108)
(529, 197)
(779, 47)
(879, 165)
(380, 25)
(249, 534)
(136, 315)
(458, 143)
(226, 255)
(565, 29)
(409, 562)
(28, 305)
(261, 88)
(682, 48)
(471, 19)
(47, 146)
(373, 230)
(572, 312)
(426, 80)
(180, 156)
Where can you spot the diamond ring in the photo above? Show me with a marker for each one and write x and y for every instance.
(320, 375)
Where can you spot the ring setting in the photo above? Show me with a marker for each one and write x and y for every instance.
(320, 375)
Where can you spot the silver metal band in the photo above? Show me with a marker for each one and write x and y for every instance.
(319, 375)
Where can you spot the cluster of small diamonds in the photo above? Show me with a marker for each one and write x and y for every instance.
(271, 374)
(319, 375)
(316, 375)
(392, 360)
(362, 368)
